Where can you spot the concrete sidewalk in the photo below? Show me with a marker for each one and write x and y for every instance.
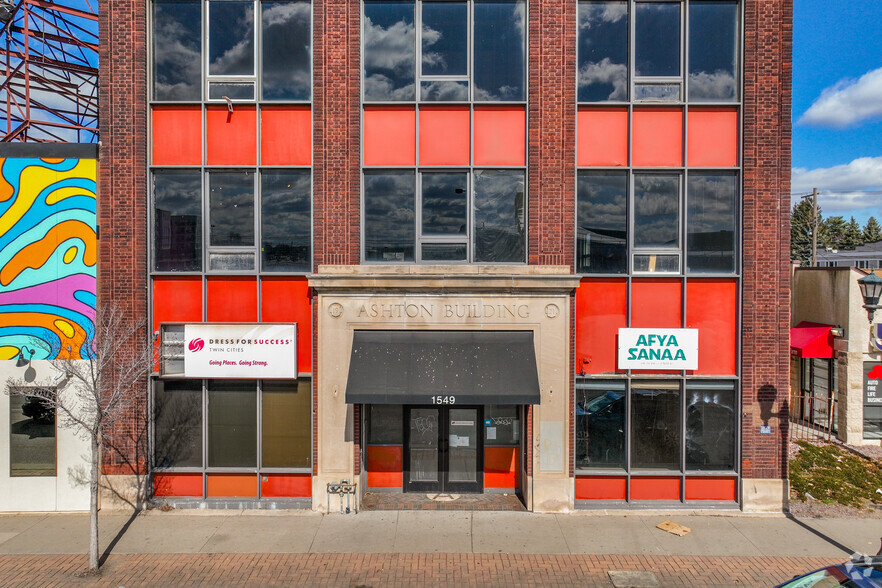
(476, 532)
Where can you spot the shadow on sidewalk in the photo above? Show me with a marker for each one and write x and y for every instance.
(821, 535)
(119, 535)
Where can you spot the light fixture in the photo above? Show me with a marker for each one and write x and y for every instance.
(837, 331)
(22, 362)
(871, 289)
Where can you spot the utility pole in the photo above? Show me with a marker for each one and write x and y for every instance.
(814, 227)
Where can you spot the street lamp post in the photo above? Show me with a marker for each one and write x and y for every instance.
(871, 290)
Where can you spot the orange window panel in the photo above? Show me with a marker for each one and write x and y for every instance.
(389, 135)
(655, 488)
(177, 485)
(602, 135)
(711, 489)
(601, 310)
(444, 135)
(232, 485)
(501, 467)
(177, 300)
(286, 485)
(712, 137)
(657, 137)
(601, 487)
(231, 137)
(656, 303)
(177, 135)
(285, 135)
(286, 300)
(712, 308)
(500, 137)
(385, 466)
(232, 299)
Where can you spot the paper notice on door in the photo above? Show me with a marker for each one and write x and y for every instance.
(462, 423)
(491, 433)
(459, 440)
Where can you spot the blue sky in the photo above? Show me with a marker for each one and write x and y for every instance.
(837, 106)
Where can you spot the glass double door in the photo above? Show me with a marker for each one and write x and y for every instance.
(443, 449)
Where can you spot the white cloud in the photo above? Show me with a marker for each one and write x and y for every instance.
(847, 102)
(844, 189)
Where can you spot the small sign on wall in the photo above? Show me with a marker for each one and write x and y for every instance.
(872, 379)
(240, 351)
(667, 349)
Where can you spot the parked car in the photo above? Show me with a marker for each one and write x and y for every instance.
(863, 571)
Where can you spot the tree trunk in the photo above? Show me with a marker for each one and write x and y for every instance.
(93, 507)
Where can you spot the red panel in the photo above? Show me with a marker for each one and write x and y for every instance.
(232, 299)
(177, 135)
(602, 136)
(232, 485)
(385, 466)
(286, 300)
(286, 485)
(656, 303)
(177, 300)
(177, 485)
(712, 137)
(601, 310)
(231, 137)
(655, 488)
(501, 467)
(712, 308)
(500, 137)
(657, 137)
(711, 489)
(444, 135)
(601, 488)
(285, 135)
(389, 135)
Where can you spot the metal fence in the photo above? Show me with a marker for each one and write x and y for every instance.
(813, 416)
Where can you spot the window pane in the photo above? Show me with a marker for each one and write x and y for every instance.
(600, 425)
(712, 50)
(231, 209)
(31, 437)
(389, 51)
(499, 50)
(177, 69)
(385, 424)
(657, 92)
(177, 423)
(657, 43)
(389, 229)
(218, 91)
(505, 425)
(601, 231)
(657, 263)
(287, 44)
(443, 252)
(500, 234)
(444, 91)
(230, 261)
(287, 424)
(232, 423)
(656, 211)
(444, 198)
(603, 51)
(286, 221)
(655, 425)
(230, 38)
(710, 222)
(445, 39)
(710, 426)
(177, 218)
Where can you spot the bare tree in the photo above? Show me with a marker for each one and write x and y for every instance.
(90, 394)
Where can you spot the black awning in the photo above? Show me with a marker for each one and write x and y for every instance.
(473, 367)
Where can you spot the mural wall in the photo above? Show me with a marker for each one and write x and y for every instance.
(48, 255)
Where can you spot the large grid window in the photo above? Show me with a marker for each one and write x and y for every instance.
(251, 50)
(251, 221)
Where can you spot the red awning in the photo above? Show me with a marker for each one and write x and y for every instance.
(811, 340)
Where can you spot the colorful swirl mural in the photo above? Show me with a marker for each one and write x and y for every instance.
(48, 255)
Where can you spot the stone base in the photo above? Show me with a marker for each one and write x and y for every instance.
(762, 495)
(122, 492)
(554, 495)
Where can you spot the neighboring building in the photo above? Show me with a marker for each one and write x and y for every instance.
(48, 255)
(399, 243)
(866, 256)
(834, 377)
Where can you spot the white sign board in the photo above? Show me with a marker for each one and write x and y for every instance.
(250, 351)
(666, 349)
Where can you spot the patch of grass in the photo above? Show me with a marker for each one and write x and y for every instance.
(832, 474)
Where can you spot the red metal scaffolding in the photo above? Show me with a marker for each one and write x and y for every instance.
(49, 86)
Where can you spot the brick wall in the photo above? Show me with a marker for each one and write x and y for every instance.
(766, 206)
(122, 199)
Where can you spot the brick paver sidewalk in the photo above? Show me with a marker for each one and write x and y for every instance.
(378, 570)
